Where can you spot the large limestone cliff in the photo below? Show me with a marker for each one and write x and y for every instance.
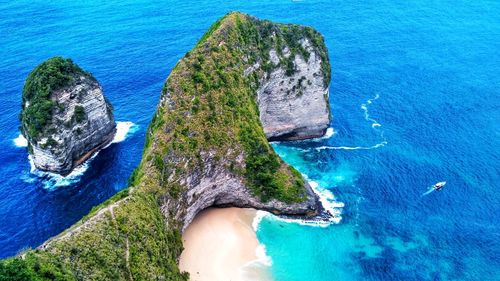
(294, 105)
(65, 116)
(207, 145)
(283, 70)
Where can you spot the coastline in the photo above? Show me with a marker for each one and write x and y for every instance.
(221, 244)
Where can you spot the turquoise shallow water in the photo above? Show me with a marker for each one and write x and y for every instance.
(425, 71)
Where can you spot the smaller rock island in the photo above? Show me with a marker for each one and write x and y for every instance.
(65, 116)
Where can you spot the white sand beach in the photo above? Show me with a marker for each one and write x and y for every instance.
(221, 245)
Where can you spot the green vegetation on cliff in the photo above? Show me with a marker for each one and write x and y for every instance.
(208, 113)
(125, 239)
(49, 76)
(210, 109)
(36, 266)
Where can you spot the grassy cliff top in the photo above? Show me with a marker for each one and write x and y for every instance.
(207, 114)
(209, 109)
(51, 75)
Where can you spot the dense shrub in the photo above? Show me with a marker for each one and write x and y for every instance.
(80, 115)
(34, 266)
(51, 75)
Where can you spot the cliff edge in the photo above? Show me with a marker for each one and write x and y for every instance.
(64, 117)
(293, 91)
(207, 145)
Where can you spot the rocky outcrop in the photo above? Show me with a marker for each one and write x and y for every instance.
(294, 107)
(65, 116)
(214, 186)
(286, 72)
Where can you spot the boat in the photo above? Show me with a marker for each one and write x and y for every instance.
(439, 185)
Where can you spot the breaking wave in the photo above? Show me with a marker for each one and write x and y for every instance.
(20, 141)
(262, 256)
(332, 209)
(52, 180)
(123, 129)
(328, 134)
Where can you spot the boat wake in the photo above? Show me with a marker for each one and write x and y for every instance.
(50, 180)
(428, 191)
(437, 186)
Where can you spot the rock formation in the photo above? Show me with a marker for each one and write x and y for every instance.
(286, 71)
(207, 146)
(65, 117)
(294, 105)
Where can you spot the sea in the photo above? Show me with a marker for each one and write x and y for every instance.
(415, 100)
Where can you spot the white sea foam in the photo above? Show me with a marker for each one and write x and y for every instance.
(263, 261)
(262, 256)
(381, 144)
(364, 107)
(375, 125)
(20, 141)
(328, 134)
(258, 218)
(53, 180)
(328, 202)
(123, 129)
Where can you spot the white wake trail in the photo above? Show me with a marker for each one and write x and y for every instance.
(428, 192)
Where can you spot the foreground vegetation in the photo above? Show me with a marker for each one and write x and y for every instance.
(207, 113)
(51, 75)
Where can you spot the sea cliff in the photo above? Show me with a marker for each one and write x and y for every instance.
(65, 116)
(207, 145)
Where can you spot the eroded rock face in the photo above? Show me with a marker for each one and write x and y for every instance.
(290, 86)
(215, 186)
(294, 107)
(78, 123)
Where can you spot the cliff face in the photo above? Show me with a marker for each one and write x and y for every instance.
(216, 152)
(65, 116)
(206, 146)
(214, 185)
(294, 105)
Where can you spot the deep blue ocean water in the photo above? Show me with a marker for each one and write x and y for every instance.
(414, 96)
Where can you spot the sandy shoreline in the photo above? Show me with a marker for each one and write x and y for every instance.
(221, 245)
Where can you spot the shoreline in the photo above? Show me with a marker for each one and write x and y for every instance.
(221, 244)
